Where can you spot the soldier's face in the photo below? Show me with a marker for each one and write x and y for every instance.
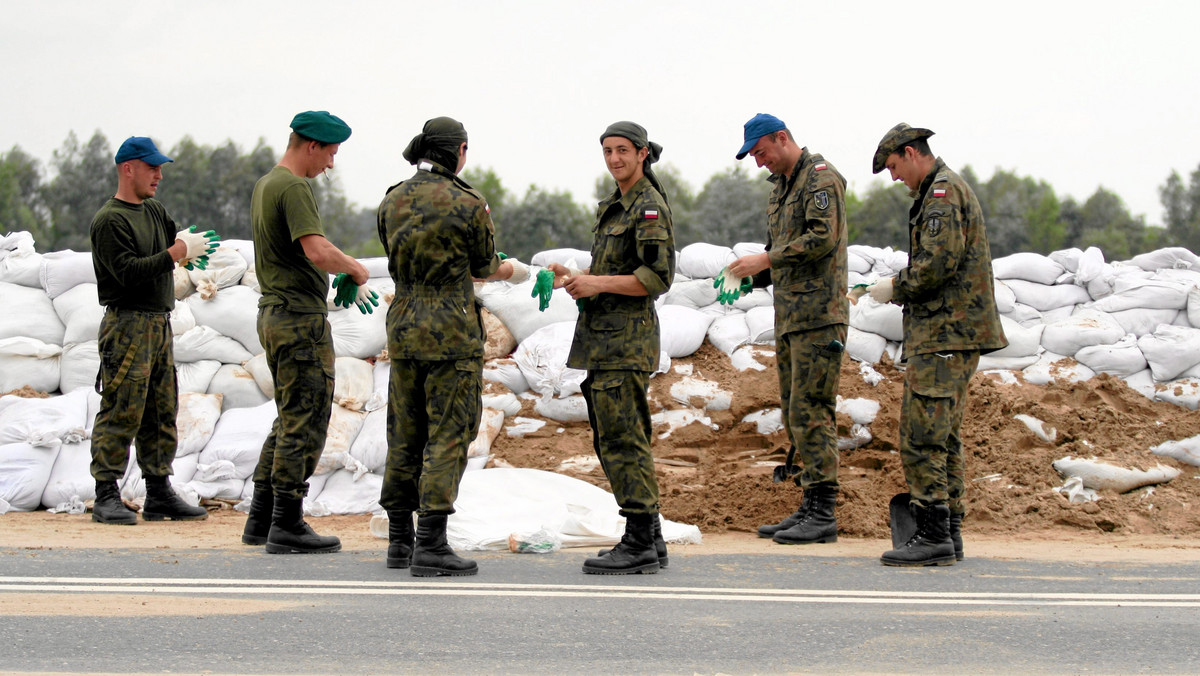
(321, 158)
(623, 160)
(144, 178)
(768, 152)
(903, 167)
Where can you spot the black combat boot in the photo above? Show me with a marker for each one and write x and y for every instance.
(769, 530)
(930, 545)
(108, 507)
(817, 523)
(400, 539)
(432, 556)
(162, 502)
(635, 552)
(258, 521)
(660, 545)
(290, 534)
(956, 534)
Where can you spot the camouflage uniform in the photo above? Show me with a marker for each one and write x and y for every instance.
(293, 330)
(617, 340)
(806, 242)
(950, 318)
(437, 231)
(137, 380)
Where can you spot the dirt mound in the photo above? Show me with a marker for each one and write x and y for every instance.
(718, 476)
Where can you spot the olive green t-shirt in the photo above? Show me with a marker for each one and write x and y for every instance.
(282, 210)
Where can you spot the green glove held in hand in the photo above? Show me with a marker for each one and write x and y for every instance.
(729, 289)
(347, 290)
(543, 287)
(366, 299)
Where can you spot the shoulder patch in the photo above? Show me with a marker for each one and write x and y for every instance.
(939, 192)
(650, 214)
(822, 200)
(821, 167)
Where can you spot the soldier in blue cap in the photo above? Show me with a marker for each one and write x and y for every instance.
(293, 258)
(806, 261)
(134, 250)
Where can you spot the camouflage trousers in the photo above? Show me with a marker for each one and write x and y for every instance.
(810, 365)
(931, 414)
(138, 395)
(433, 415)
(620, 418)
(299, 351)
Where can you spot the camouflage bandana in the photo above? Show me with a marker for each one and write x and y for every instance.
(438, 141)
(636, 133)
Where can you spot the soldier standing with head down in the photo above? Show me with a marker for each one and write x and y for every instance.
(617, 340)
(438, 234)
(950, 318)
(806, 261)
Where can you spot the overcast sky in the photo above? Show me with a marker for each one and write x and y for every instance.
(1080, 94)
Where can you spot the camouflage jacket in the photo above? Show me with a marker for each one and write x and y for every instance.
(633, 236)
(947, 289)
(806, 242)
(438, 234)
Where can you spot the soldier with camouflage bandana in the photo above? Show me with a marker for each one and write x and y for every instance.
(806, 261)
(438, 234)
(950, 318)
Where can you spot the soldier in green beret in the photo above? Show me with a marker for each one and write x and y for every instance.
(438, 234)
(806, 261)
(950, 318)
(617, 340)
(293, 260)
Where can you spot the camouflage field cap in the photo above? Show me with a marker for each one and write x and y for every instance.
(896, 137)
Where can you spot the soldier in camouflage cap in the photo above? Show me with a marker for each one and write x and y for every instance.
(617, 340)
(438, 234)
(950, 318)
(806, 261)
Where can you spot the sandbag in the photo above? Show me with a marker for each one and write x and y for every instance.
(80, 311)
(28, 362)
(514, 306)
(79, 365)
(1140, 321)
(506, 373)
(990, 362)
(183, 283)
(729, 332)
(760, 325)
(1005, 298)
(237, 388)
(225, 268)
(682, 329)
(1047, 296)
(205, 342)
(1022, 341)
(70, 476)
(195, 422)
(20, 263)
(1122, 358)
(359, 335)
(1171, 350)
(1051, 367)
(1169, 257)
(354, 383)
(490, 423)
(24, 473)
(258, 369)
(244, 247)
(694, 294)
(42, 422)
(347, 492)
(864, 346)
(1026, 266)
(232, 312)
(1085, 327)
(182, 319)
(542, 359)
(1131, 293)
(370, 447)
(344, 426)
(1183, 392)
(577, 258)
(238, 437)
(703, 261)
(1068, 258)
(885, 319)
(30, 315)
(61, 271)
(196, 376)
(756, 298)
(499, 341)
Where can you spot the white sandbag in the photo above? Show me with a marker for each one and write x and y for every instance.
(988, 362)
(857, 263)
(564, 408)
(205, 342)
(244, 247)
(182, 319)
(498, 340)
(490, 423)
(1140, 321)
(63, 270)
(1005, 298)
(703, 394)
(24, 473)
(760, 325)
(71, 475)
(1044, 431)
(861, 411)
(1056, 315)
(507, 373)
(196, 376)
(344, 426)
(1100, 475)
(346, 492)
(1085, 327)
(1143, 383)
(580, 258)
(1028, 316)
(28, 362)
(1171, 350)
(1046, 296)
(80, 311)
(864, 346)
(216, 489)
(729, 332)
(703, 261)
(237, 388)
(370, 447)
(238, 438)
(232, 312)
(1183, 392)
(354, 382)
(748, 249)
(1026, 266)
(1169, 257)
(1183, 450)
(20, 263)
(694, 294)
(1188, 276)
(885, 319)
(756, 298)
(183, 283)
(1132, 293)
(682, 330)
(258, 369)
(542, 359)
(1193, 307)
(250, 279)
(79, 365)
(195, 422)
(225, 268)
(30, 315)
(1068, 258)
(1052, 367)
(1122, 358)
(358, 335)
(1022, 341)
(513, 305)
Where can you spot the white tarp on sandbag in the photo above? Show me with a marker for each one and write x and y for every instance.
(205, 342)
(885, 319)
(513, 305)
(225, 268)
(232, 312)
(1044, 297)
(71, 475)
(80, 312)
(577, 258)
(360, 335)
(20, 263)
(1171, 350)
(703, 261)
(29, 362)
(61, 271)
(682, 329)
(24, 473)
(196, 376)
(370, 447)
(237, 388)
(30, 314)
(1085, 327)
(1031, 267)
(195, 421)
(1122, 358)
(238, 438)
(542, 358)
(79, 365)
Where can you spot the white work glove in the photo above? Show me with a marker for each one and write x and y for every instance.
(198, 243)
(881, 291)
(520, 271)
(366, 299)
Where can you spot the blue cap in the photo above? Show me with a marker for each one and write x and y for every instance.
(759, 126)
(141, 148)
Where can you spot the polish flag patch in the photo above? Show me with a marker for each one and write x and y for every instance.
(821, 167)
(650, 214)
(939, 192)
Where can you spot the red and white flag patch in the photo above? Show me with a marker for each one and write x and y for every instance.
(821, 167)
(650, 214)
(939, 192)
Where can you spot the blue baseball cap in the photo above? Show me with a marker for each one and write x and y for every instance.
(759, 126)
(141, 148)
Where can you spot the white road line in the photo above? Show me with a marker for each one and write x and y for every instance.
(218, 586)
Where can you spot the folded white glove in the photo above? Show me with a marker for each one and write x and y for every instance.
(196, 243)
(881, 291)
(520, 271)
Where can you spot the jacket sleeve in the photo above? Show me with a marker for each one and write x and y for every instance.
(655, 248)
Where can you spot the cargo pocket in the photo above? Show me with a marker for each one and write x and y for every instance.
(609, 332)
(825, 371)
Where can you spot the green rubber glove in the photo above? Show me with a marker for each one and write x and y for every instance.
(731, 288)
(366, 299)
(200, 263)
(347, 290)
(543, 287)
(501, 255)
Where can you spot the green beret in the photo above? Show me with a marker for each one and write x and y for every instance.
(320, 126)
(896, 137)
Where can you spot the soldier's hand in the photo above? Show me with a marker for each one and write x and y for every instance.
(543, 288)
(730, 288)
(881, 291)
(347, 290)
(857, 291)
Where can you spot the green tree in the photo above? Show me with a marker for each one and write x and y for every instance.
(20, 199)
(680, 197)
(881, 218)
(85, 177)
(211, 187)
(542, 220)
(731, 208)
(1181, 204)
(488, 183)
(1021, 213)
(1104, 221)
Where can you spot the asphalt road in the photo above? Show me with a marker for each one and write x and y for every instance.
(243, 611)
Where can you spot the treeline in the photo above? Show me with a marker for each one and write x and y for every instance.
(210, 186)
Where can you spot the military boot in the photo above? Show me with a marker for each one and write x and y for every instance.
(290, 534)
(660, 545)
(930, 545)
(818, 523)
(162, 502)
(400, 539)
(769, 530)
(956, 534)
(258, 521)
(431, 555)
(635, 552)
(108, 507)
